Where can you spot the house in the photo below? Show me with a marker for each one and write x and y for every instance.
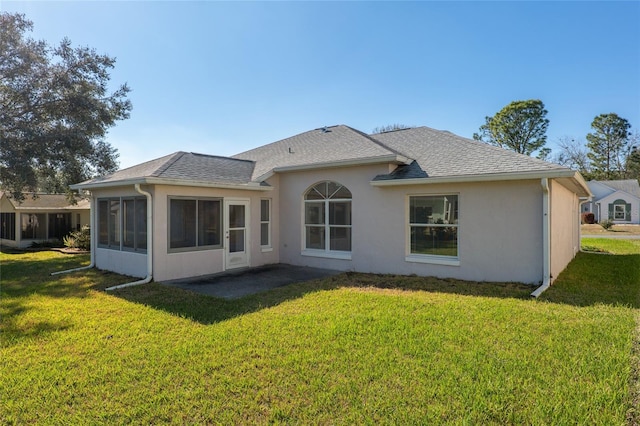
(616, 200)
(413, 201)
(38, 218)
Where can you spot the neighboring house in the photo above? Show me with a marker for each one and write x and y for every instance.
(616, 200)
(41, 218)
(414, 201)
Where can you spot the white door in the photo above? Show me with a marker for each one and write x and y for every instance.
(236, 222)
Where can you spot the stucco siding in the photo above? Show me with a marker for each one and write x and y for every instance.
(564, 227)
(170, 265)
(500, 226)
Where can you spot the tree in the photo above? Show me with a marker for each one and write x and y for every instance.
(520, 126)
(391, 127)
(573, 154)
(632, 163)
(55, 111)
(609, 145)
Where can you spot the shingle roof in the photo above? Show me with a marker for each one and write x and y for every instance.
(419, 152)
(443, 154)
(630, 186)
(326, 145)
(47, 202)
(184, 166)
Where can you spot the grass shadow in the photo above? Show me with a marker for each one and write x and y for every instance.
(208, 309)
(596, 278)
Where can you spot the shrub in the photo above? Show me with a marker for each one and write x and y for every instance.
(79, 239)
(589, 218)
(606, 224)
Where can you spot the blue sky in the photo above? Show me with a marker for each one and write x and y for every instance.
(220, 77)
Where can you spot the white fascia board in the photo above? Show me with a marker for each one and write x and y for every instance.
(487, 177)
(394, 158)
(251, 186)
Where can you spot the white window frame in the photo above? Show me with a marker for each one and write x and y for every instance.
(431, 258)
(326, 252)
(268, 246)
(616, 211)
(198, 246)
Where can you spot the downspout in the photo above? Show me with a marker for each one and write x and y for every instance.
(92, 239)
(149, 276)
(546, 240)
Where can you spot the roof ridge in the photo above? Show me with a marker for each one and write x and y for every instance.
(219, 156)
(171, 161)
(377, 142)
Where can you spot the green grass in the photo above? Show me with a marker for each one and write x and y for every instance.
(610, 245)
(354, 348)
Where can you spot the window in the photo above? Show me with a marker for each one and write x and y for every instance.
(34, 226)
(194, 223)
(433, 225)
(59, 225)
(134, 224)
(265, 223)
(327, 218)
(8, 226)
(620, 210)
(122, 224)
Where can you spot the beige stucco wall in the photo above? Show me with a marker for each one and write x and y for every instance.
(7, 207)
(170, 266)
(500, 226)
(564, 227)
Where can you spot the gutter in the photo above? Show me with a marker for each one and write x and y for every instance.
(394, 158)
(486, 177)
(149, 276)
(250, 186)
(546, 240)
(92, 238)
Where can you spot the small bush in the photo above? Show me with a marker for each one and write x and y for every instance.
(589, 218)
(606, 224)
(79, 239)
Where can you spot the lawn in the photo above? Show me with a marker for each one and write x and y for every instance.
(354, 348)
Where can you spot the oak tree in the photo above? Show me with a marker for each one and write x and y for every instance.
(56, 107)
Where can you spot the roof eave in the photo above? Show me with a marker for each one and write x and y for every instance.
(583, 189)
(249, 186)
(383, 159)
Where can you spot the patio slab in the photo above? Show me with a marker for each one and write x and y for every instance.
(243, 282)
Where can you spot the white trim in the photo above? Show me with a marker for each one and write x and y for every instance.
(246, 203)
(486, 178)
(435, 260)
(343, 255)
(394, 158)
(430, 258)
(250, 186)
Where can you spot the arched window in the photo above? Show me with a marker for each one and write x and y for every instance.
(327, 217)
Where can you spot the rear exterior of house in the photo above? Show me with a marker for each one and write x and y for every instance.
(615, 200)
(416, 201)
(45, 217)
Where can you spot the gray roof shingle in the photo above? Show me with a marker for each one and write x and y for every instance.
(320, 146)
(630, 186)
(443, 154)
(420, 152)
(47, 202)
(184, 166)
